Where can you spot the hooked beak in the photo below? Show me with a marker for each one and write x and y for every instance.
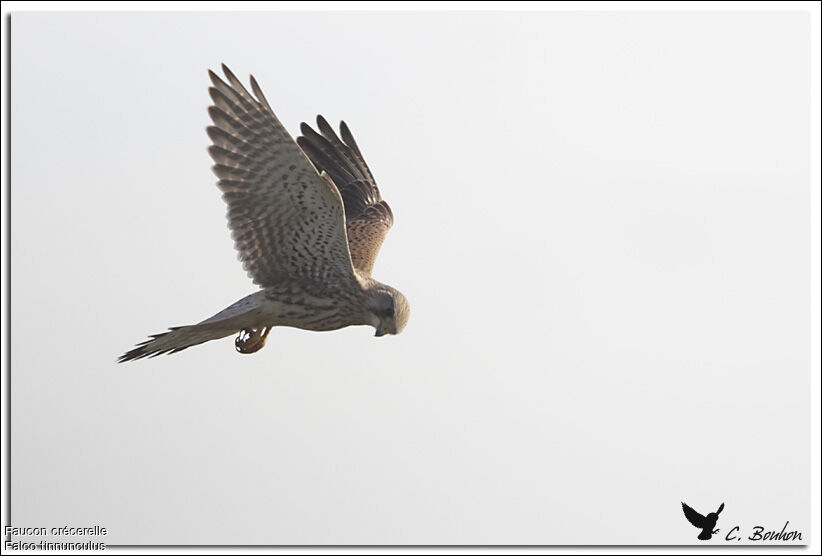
(385, 327)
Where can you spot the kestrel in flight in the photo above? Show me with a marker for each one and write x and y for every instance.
(307, 220)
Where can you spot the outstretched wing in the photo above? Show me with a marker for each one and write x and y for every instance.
(368, 217)
(696, 518)
(287, 220)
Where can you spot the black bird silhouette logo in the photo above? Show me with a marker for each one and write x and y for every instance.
(704, 522)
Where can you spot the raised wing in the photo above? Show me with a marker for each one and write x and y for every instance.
(696, 518)
(287, 220)
(368, 217)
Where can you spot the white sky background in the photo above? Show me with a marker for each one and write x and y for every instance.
(602, 227)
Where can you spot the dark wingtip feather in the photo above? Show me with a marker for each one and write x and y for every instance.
(216, 80)
(215, 112)
(215, 94)
(342, 162)
(326, 129)
(348, 138)
(215, 133)
(258, 92)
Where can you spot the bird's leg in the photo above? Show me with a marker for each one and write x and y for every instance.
(250, 340)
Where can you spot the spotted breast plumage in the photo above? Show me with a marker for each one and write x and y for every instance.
(307, 220)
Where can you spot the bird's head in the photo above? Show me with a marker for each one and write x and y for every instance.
(388, 309)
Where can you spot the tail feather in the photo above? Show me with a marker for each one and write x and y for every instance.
(177, 339)
(237, 316)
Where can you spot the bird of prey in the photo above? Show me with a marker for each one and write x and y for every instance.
(307, 220)
(704, 522)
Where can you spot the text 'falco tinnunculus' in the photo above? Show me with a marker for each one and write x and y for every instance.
(307, 219)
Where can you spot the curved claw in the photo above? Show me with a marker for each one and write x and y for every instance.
(251, 340)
